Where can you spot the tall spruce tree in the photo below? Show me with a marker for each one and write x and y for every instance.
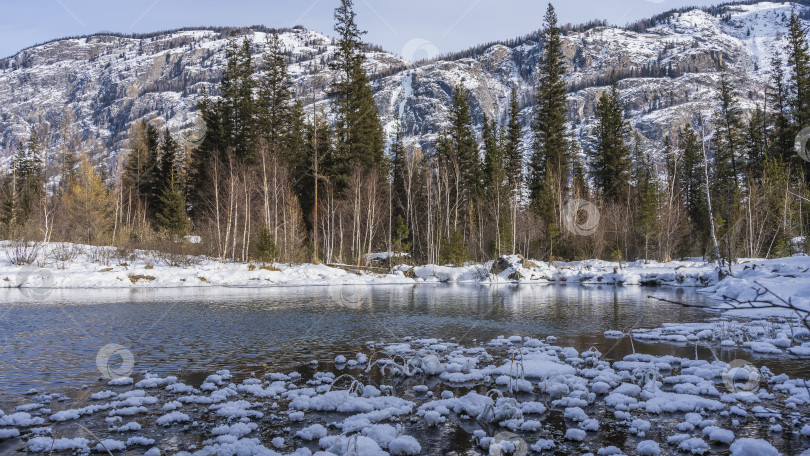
(265, 249)
(496, 184)
(296, 142)
(580, 182)
(610, 159)
(172, 217)
(8, 200)
(274, 102)
(513, 145)
(726, 189)
(29, 177)
(69, 148)
(799, 61)
(238, 106)
(150, 184)
(168, 169)
(211, 149)
(781, 135)
(549, 166)
(728, 140)
(493, 172)
(360, 142)
(463, 140)
(756, 145)
(799, 83)
(398, 189)
(648, 194)
(693, 185)
(231, 125)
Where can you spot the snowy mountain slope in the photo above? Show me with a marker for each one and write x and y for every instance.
(109, 81)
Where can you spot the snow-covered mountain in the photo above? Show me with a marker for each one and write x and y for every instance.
(669, 69)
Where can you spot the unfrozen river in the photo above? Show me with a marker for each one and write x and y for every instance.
(53, 340)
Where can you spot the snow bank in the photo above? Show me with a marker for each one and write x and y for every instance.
(107, 267)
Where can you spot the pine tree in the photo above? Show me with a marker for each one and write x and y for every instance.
(454, 249)
(513, 145)
(671, 161)
(296, 142)
(265, 249)
(7, 208)
(211, 149)
(150, 184)
(692, 183)
(781, 135)
(400, 236)
(726, 189)
(799, 61)
(398, 190)
(462, 137)
(457, 150)
(167, 170)
(647, 191)
(360, 142)
(237, 106)
(69, 148)
(494, 175)
(274, 110)
(610, 159)
(756, 145)
(173, 218)
(550, 147)
(549, 167)
(28, 170)
(496, 184)
(580, 183)
(728, 136)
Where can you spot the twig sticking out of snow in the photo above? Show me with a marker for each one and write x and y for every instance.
(760, 301)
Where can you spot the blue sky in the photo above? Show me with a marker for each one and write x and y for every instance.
(407, 27)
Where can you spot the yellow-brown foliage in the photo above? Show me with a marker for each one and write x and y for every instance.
(88, 207)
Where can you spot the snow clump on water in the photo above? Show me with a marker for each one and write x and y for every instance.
(392, 400)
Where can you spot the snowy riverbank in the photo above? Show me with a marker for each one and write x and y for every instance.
(60, 265)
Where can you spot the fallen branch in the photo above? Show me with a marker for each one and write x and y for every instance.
(760, 301)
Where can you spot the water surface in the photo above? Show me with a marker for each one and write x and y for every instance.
(52, 343)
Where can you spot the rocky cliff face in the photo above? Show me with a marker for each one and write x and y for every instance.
(669, 75)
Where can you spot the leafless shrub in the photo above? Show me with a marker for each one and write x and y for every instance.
(20, 253)
(125, 255)
(63, 254)
(100, 254)
(176, 254)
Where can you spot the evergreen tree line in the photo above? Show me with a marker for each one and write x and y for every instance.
(273, 180)
(652, 70)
